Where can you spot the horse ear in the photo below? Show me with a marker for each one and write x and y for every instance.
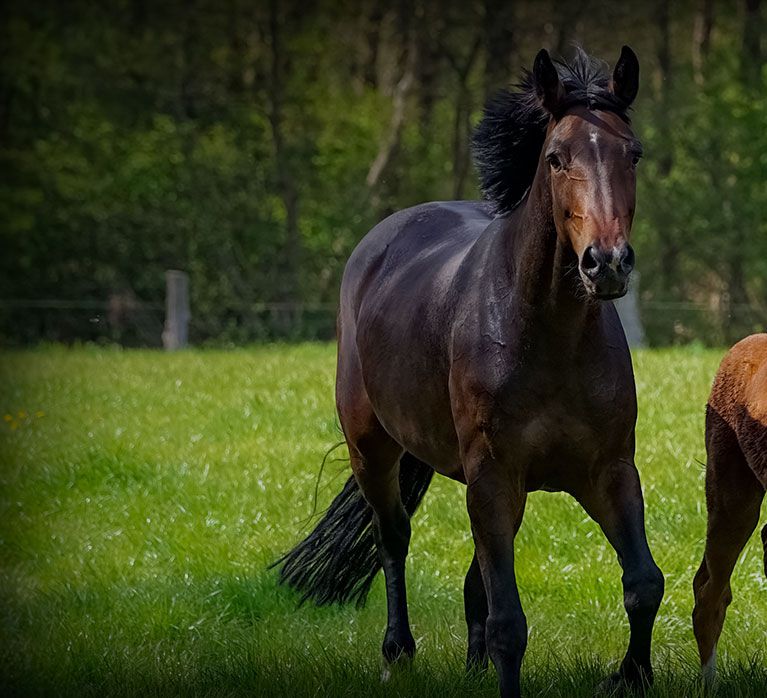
(548, 87)
(626, 76)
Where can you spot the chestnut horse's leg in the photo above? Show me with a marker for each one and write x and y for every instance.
(733, 498)
(475, 609)
(496, 504)
(615, 503)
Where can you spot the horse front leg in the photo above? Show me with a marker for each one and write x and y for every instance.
(615, 502)
(496, 503)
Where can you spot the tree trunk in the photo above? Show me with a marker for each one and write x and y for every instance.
(568, 15)
(236, 67)
(462, 117)
(383, 190)
(703, 25)
(190, 30)
(427, 66)
(461, 135)
(372, 41)
(286, 184)
(751, 56)
(669, 262)
(391, 141)
(498, 27)
(751, 68)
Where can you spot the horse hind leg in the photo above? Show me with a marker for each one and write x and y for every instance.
(475, 611)
(376, 469)
(375, 462)
(733, 500)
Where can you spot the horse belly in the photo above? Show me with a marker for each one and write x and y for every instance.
(413, 406)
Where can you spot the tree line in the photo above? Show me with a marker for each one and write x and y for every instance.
(253, 144)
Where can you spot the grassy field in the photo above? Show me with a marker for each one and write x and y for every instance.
(143, 495)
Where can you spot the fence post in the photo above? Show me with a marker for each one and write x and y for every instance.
(175, 335)
(628, 311)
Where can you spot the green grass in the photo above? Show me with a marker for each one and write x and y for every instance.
(143, 495)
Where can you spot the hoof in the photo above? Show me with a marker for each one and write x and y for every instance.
(397, 654)
(621, 684)
(708, 673)
(401, 663)
(476, 662)
(395, 650)
(613, 685)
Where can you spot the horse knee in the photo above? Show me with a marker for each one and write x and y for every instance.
(506, 637)
(709, 593)
(699, 580)
(643, 593)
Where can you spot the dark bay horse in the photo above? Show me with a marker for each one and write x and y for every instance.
(736, 478)
(476, 340)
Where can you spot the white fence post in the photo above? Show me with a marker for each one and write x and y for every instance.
(175, 335)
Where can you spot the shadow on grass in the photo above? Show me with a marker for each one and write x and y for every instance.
(254, 670)
(243, 636)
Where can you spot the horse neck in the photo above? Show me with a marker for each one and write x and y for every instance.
(540, 269)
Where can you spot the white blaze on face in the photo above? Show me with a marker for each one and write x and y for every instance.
(601, 183)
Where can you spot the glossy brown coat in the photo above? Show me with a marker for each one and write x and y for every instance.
(482, 347)
(736, 479)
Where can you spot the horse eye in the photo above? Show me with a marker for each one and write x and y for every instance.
(555, 162)
(635, 159)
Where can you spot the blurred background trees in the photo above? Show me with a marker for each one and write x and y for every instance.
(252, 144)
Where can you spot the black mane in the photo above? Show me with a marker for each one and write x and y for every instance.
(508, 140)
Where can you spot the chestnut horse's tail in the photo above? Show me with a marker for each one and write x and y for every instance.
(338, 560)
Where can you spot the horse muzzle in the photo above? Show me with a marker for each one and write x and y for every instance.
(605, 271)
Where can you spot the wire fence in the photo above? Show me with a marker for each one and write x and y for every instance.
(131, 322)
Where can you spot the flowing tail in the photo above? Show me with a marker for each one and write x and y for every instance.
(337, 561)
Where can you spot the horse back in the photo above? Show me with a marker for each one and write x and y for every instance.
(412, 247)
(738, 402)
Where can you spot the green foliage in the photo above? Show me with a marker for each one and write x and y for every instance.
(708, 211)
(144, 494)
(138, 137)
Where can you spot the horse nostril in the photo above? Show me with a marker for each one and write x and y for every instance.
(627, 259)
(590, 263)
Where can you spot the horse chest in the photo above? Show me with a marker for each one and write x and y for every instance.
(574, 421)
(550, 430)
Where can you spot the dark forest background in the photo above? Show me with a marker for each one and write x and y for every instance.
(252, 144)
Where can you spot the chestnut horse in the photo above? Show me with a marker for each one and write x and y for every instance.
(736, 478)
(476, 340)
